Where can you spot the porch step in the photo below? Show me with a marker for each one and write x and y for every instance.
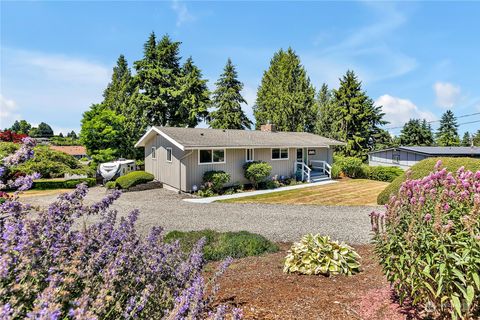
(319, 177)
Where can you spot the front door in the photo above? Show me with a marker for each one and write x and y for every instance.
(300, 155)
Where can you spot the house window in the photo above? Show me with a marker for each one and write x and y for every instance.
(169, 154)
(206, 156)
(249, 155)
(154, 156)
(279, 153)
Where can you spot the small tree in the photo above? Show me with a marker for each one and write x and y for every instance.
(257, 172)
(447, 134)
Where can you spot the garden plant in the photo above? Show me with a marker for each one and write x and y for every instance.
(428, 242)
(316, 254)
(257, 172)
(52, 267)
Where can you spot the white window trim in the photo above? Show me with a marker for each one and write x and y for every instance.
(166, 155)
(280, 149)
(246, 155)
(154, 153)
(213, 149)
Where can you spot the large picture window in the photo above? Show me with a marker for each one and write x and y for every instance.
(206, 156)
(279, 153)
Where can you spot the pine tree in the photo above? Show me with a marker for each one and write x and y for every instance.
(286, 96)
(194, 97)
(447, 134)
(227, 100)
(157, 77)
(416, 133)
(467, 140)
(119, 89)
(359, 119)
(325, 120)
(476, 139)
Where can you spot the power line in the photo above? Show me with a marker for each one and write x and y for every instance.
(433, 121)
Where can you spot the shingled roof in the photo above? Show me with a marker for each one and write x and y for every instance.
(443, 151)
(193, 138)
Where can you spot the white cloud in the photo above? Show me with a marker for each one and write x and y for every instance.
(398, 111)
(8, 112)
(53, 88)
(447, 94)
(183, 14)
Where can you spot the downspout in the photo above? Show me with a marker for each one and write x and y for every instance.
(180, 171)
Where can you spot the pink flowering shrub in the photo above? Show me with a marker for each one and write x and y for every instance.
(428, 242)
(51, 267)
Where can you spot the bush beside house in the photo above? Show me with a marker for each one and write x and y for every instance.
(354, 168)
(132, 179)
(257, 172)
(423, 168)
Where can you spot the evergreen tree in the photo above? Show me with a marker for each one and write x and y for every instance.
(15, 127)
(416, 133)
(467, 140)
(72, 135)
(120, 88)
(325, 122)
(227, 101)
(44, 131)
(194, 97)
(157, 77)
(447, 134)
(476, 139)
(286, 96)
(359, 119)
(60, 135)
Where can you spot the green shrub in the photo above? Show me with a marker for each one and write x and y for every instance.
(428, 243)
(316, 254)
(256, 172)
(336, 171)
(220, 245)
(351, 167)
(134, 178)
(111, 184)
(387, 174)
(422, 169)
(215, 180)
(206, 192)
(44, 184)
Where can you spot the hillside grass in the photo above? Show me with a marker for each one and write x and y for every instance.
(423, 168)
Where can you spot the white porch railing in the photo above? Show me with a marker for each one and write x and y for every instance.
(323, 166)
(304, 170)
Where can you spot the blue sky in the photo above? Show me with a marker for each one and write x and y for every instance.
(416, 59)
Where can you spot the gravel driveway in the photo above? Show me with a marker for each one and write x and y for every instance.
(276, 222)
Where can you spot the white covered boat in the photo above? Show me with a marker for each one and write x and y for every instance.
(112, 170)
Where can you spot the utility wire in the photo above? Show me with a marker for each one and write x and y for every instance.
(433, 121)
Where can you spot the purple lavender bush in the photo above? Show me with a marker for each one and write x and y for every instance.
(52, 269)
(428, 242)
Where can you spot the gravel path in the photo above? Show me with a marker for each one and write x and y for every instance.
(276, 222)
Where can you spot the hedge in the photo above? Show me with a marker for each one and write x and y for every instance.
(387, 174)
(44, 184)
(134, 178)
(423, 168)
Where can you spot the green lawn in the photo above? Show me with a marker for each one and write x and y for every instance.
(350, 192)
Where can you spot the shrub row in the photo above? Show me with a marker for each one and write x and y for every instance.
(220, 245)
(354, 168)
(422, 169)
(44, 184)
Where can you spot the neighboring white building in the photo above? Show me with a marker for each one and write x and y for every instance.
(405, 157)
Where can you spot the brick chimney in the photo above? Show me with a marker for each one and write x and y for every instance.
(269, 127)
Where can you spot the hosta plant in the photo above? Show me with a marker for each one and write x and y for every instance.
(54, 267)
(316, 254)
(428, 242)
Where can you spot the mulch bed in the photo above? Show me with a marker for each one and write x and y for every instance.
(259, 286)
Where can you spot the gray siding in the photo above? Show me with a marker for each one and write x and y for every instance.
(385, 158)
(170, 173)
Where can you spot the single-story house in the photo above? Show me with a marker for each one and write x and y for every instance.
(405, 157)
(178, 157)
(78, 152)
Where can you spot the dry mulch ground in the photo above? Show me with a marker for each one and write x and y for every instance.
(259, 286)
